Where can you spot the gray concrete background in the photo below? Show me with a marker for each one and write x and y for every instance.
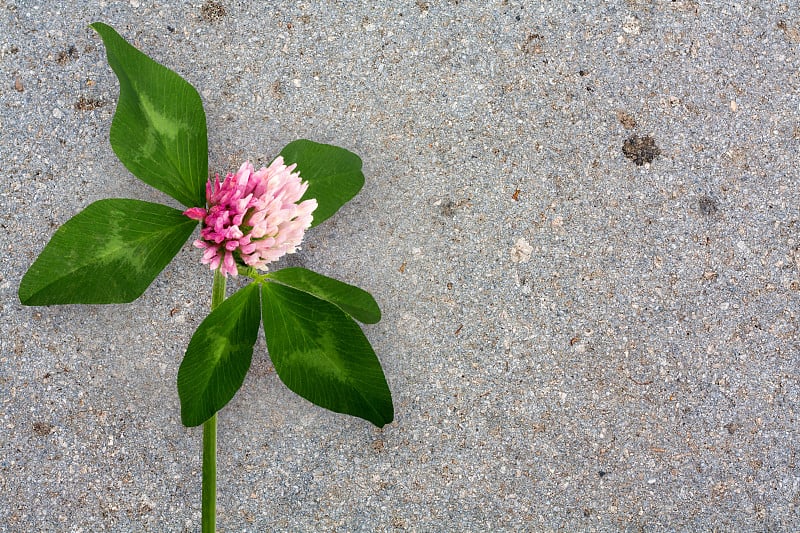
(573, 341)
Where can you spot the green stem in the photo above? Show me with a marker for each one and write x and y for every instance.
(218, 290)
(209, 515)
(210, 475)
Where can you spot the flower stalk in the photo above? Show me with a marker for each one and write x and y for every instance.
(209, 513)
(209, 497)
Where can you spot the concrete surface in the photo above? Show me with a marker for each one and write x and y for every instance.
(574, 341)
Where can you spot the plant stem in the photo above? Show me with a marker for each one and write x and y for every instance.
(209, 514)
(217, 290)
(210, 475)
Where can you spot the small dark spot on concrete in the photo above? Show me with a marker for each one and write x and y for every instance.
(732, 427)
(533, 44)
(212, 11)
(791, 33)
(641, 150)
(65, 55)
(601, 473)
(707, 205)
(626, 119)
(583, 72)
(170, 29)
(42, 429)
(448, 208)
(276, 89)
(88, 104)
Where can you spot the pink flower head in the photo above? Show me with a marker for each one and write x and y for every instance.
(253, 218)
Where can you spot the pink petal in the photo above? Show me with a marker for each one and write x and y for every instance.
(195, 213)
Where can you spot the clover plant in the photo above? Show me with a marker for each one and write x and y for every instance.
(112, 250)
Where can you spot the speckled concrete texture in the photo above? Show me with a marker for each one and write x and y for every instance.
(580, 220)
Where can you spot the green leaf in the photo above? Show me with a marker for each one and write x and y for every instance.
(218, 356)
(159, 127)
(356, 302)
(320, 353)
(108, 253)
(334, 174)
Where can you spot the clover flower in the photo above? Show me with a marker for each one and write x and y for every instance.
(253, 218)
